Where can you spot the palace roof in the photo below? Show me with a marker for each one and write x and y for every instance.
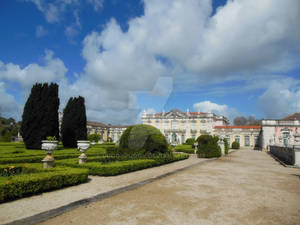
(295, 116)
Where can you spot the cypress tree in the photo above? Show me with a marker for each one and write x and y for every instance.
(73, 126)
(40, 116)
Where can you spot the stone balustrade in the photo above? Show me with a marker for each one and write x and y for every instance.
(289, 155)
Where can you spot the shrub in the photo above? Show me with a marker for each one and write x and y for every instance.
(94, 137)
(208, 146)
(143, 137)
(190, 141)
(98, 167)
(40, 115)
(185, 148)
(226, 146)
(73, 126)
(235, 145)
(34, 180)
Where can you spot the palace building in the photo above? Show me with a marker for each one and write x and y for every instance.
(177, 126)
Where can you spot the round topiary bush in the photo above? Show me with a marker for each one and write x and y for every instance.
(190, 141)
(235, 145)
(143, 137)
(208, 146)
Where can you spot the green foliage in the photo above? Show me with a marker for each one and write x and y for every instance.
(190, 141)
(185, 148)
(94, 137)
(143, 137)
(235, 145)
(6, 137)
(208, 146)
(34, 180)
(40, 116)
(73, 126)
(51, 138)
(226, 145)
(98, 167)
(109, 140)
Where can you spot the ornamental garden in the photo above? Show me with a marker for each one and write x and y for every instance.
(52, 158)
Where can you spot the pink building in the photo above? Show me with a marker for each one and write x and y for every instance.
(284, 132)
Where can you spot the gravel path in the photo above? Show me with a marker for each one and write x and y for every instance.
(246, 187)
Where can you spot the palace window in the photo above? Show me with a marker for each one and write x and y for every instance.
(193, 125)
(174, 124)
(203, 125)
(237, 139)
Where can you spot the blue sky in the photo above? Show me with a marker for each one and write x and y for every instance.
(228, 57)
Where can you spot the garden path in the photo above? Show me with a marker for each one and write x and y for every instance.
(247, 187)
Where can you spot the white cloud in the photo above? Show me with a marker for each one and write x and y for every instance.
(40, 31)
(8, 104)
(53, 10)
(97, 4)
(74, 29)
(53, 69)
(280, 99)
(241, 37)
(208, 106)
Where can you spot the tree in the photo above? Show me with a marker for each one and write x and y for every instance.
(73, 126)
(40, 115)
(243, 121)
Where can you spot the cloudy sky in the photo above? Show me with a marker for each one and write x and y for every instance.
(234, 57)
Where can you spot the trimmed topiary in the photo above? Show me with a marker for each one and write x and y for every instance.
(235, 145)
(226, 146)
(190, 141)
(40, 115)
(143, 138)
(208, 146)
(73, 125)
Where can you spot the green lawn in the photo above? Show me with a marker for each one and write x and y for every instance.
(185, 148)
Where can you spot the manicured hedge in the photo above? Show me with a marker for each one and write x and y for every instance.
(190, 141)
(185, 148)
(35, 179)
(97, 167)
(226, 146)
(143, 137)
(235, 145)
(208, 146)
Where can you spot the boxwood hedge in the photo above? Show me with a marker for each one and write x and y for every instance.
(34, 179)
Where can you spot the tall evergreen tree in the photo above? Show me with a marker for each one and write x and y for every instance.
(40, 116)
(73, 126)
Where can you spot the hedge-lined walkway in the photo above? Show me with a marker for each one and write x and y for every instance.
(248, 187)
(26, 207)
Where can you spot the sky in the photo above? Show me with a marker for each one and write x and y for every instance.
(232, 58)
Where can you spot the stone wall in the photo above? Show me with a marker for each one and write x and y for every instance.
(289, 155)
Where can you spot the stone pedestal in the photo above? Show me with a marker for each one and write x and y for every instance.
(82, 158)
(196, 145)
(83, 146)
(221, 144)
(48, 161)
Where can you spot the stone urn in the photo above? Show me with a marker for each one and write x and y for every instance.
(196, 145)
(48, 146)
(93, 142)
(83, 146)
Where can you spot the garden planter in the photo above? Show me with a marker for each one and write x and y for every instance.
(48, 146)
(83, 146)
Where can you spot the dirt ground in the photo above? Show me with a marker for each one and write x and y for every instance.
(246, 187)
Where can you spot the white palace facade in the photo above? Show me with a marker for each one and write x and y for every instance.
(177, 126)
